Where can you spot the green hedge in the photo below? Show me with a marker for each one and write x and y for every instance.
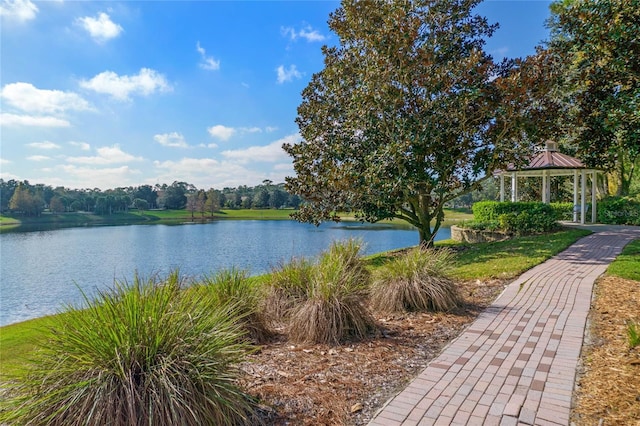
(520, 218)
(563, 211)
(619, 211)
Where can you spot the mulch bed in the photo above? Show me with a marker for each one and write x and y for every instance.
(608, 387)
(346, 385)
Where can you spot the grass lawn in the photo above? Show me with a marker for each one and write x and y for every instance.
(480, 261)
(62, 220)
(627, 264)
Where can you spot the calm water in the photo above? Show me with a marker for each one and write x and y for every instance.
(41, 272)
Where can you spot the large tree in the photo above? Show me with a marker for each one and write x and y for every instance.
(405, 116)
(599, 38)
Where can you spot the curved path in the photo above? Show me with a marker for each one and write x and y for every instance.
(516, 363)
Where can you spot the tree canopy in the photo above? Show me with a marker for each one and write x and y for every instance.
(406, 115)
(599, 39)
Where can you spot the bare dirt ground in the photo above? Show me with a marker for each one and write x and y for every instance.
(346, 385)
(608, 386)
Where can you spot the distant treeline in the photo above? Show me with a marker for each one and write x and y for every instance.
(24, 198)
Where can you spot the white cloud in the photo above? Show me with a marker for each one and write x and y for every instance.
(18, 10)
(44, 145)
(82, 145)
(173, 139)
(28, 98)
(208, 145)
(146, 82)
(285, 75)
(271, 153)
(221, 132)
(207, 62)
(210, 173)
(4, 161)
(38, 158)
(307, 33)
(101, 28)
(7, 119)
(224, 133)
(250, 129)
(106, 155)
(91, 177)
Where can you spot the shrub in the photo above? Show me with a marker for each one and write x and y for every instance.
(563, 211)
(415, 281)
(142, 353)
(232, 288)
(520, 218)
(619, 211)
(332, 310)
(492, 225)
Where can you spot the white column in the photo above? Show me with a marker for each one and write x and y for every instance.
(514, 187)
(544, 187)
(501, 187)
(583, 195)
(575, 195)
(594, 189)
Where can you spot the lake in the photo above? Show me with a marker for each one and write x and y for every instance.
(41, 272)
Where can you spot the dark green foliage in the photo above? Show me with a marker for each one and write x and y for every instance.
(563, 211)
(146, 353)
(619, 211)
(599, 42)
(520, 218)
(403, 118)
(491, 225)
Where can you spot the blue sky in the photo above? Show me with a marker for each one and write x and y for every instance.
(120, 93)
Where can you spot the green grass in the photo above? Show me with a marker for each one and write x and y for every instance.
(508, 259)
(627, 264)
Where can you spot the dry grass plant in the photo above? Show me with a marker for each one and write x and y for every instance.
(288, 284)
(415, 281)
(332, 310)
(145, 353)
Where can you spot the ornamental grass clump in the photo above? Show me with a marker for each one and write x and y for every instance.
(145, 353)
(332, 310)
(415, 281)
(234, 288)
(288, 284)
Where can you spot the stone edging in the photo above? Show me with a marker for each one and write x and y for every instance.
(477, 236)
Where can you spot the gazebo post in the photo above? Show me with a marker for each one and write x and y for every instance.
(583, 195)
(501, 187)
(575, 196)
(514, 187)
(593, 197)
(544, 187)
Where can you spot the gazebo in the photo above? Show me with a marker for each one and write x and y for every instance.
(547, 163)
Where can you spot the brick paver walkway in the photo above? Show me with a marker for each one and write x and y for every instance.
(516, 363)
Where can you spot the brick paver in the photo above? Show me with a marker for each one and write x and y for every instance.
(516, 363)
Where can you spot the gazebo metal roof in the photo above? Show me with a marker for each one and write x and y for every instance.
(549, 159)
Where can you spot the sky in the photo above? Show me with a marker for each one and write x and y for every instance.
(125, 93)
